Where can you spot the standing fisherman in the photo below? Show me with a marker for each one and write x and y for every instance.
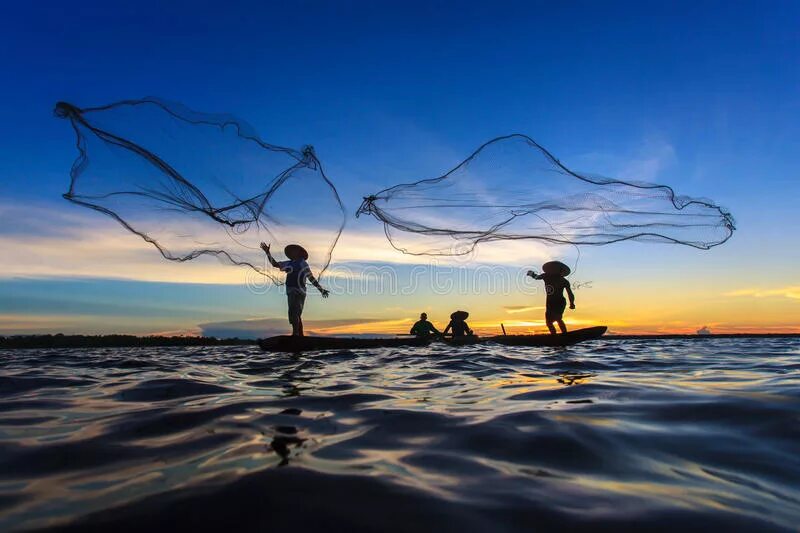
(297, 273)
(555, 282)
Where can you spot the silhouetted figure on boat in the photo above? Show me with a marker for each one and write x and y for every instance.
(458, 325)
(297, 274)
(555, 283)
(423, 328)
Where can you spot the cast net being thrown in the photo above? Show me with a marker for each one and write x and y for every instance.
(195, 184)
(512, 188)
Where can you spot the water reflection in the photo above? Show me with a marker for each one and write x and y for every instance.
(573, 379)
(612, 430)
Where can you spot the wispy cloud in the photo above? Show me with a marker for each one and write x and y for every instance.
(513, 309)
(792, 292)
(27, 324)
(655, 156)
(60, 241)
(645, 164)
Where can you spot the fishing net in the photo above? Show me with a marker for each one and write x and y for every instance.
(512, 188)
(195, 184)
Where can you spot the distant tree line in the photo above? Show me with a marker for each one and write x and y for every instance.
(60, 340)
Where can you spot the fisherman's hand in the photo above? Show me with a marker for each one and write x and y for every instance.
(531, 273)
(265, 247)
(572, 306)
(324, 292)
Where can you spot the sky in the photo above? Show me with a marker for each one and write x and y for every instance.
(702, 96)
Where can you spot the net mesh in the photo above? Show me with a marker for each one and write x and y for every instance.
(196, 184)
(512, 188)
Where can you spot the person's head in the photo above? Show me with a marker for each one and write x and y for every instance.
(556, 268)
(423, 316)
(295, 252)
(459, 316)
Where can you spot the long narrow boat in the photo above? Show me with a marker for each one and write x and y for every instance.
(287, 343)
(561, 339)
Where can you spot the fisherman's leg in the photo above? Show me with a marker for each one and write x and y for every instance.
(298, 300)
(289, 312)
(294, 313)
(549, 315)
(561, 326)
(301, 303)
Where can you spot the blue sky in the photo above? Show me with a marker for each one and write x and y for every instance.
(702, 96)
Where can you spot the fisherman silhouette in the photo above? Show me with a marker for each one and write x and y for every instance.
(297, 273)
(458, 324)
(555, 283)
(423, 328)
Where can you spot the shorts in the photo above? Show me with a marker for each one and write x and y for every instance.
(296, 299)
(555, 308)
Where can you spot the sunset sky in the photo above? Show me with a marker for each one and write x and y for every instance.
(702, 96)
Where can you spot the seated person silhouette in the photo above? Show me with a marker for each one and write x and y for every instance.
(555, 283)
(423, 328)
(458, 325)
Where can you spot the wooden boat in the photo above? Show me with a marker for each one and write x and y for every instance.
(287, 343)
(546, 339)
(561, 339)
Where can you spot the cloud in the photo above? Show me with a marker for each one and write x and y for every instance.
(791, 292)
(181, 332)
(646, 164)
(61, 241)
(652, 160)
(512, 309)
(29, 324)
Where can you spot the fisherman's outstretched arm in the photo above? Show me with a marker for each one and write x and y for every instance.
(265, 247)
(534, 275)
(571, 296)
(315, 283)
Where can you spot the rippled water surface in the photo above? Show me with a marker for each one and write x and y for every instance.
(662, 434)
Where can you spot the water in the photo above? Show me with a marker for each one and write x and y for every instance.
(655, 434)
